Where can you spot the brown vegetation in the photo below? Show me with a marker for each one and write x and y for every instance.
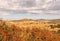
(26, 31)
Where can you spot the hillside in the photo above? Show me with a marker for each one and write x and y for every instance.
(29, 30)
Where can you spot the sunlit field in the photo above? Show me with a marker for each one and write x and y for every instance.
(30, 30)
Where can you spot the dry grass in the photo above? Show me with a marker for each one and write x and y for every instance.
(26, 31)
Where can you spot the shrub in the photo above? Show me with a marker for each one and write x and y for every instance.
(58, 31)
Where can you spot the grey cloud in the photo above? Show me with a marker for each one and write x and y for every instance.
(16, 6)
(55, 5)
(27, 3)
(12, 11)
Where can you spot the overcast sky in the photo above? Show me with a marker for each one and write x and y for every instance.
(31, 9)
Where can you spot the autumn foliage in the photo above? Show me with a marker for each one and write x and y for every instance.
(16, 33)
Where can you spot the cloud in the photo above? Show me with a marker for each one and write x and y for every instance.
(4, 13)
(56, 5)
(28, 6)
(53, 5)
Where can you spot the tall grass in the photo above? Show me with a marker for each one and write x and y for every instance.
(14, 33)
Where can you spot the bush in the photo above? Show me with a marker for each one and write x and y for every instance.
(55, 26)
(58, 26)
(58, 31)
(52, 26)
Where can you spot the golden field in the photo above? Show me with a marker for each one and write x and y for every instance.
(30, 30)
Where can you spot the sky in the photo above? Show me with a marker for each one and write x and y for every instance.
(30, 9)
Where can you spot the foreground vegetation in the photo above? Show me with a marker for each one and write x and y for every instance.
(12, 32)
